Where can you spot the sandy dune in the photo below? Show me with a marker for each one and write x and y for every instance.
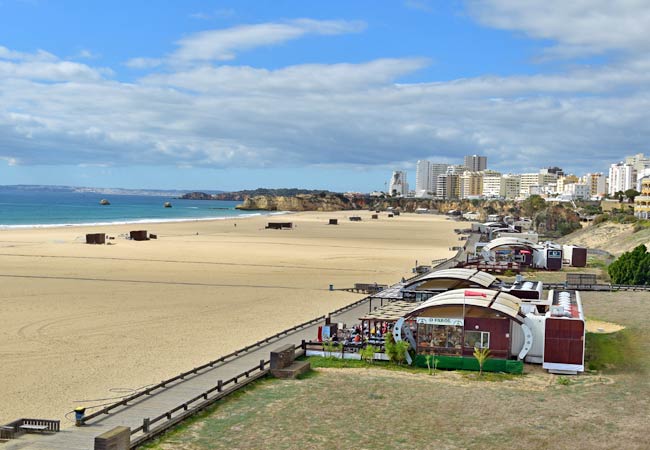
(78, 321)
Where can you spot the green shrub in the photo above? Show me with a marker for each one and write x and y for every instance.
(368, 353)
(600, 218)
(631, 267)
(389, 346)
(401, 348)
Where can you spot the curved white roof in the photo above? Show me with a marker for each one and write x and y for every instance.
(507, 241)
(476, 276)
(499, 301)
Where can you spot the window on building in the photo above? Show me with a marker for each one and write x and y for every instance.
(477, 339)
(442, 338)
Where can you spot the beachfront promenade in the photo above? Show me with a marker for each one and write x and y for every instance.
(165, 399)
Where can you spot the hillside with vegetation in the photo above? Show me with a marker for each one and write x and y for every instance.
(614, 233)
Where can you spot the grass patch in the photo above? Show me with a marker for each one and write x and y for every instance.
(613, 352)
(336, 363)
(184, 427)
(489, 376)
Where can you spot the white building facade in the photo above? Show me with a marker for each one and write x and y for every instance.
(622, 177)
(398, 185)
(491, 184)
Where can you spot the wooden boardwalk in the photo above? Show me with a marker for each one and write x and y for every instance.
(175, 394)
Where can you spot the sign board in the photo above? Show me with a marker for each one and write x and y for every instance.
(441, 321)
(554, 253)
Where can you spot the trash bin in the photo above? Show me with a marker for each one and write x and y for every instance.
(79, 414)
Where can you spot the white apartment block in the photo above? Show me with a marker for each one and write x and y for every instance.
(436, 170)
(398, 185)
(536, 183)
(491, 184)
(527, 180)
(621, 178)
(422, 177)
(577, 191)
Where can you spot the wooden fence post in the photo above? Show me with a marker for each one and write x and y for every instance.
(145, 425)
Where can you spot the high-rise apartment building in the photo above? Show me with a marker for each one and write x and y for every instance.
(398, 185)
(422, 177)
(475, 163)
(536, 183)
(437, 170)
(622, 177)
(471, 184)
(491, 184)
(448, 183)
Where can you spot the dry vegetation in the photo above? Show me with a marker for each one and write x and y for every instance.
(377, 408)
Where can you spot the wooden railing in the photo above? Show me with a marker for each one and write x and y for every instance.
(598, 287)
(211, 364)
(175, 415)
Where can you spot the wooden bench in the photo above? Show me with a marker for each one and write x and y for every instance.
(34, 428)
(19, 427)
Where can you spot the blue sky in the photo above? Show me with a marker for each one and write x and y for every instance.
(328, 95)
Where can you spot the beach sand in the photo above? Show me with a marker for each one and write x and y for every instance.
(78, 321)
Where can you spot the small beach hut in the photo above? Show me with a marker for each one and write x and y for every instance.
(96, 238)
(139, 235)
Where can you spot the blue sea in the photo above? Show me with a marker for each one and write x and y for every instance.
(26, 209)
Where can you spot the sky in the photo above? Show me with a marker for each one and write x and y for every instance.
(334, 94)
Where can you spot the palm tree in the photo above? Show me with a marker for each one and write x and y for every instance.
(481, 355)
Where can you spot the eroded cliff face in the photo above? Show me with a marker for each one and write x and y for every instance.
(302, 202)
(337, 202)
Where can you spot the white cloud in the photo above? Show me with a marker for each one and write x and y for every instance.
(143, 63)
(12, 55)
(54, 111)
(306, 78)
(222, 45)
(87, 54)
(578, 27)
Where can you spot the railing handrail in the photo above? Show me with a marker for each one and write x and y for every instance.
(248, 375)
(211, 364)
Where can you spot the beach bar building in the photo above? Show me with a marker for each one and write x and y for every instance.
(450, 325)
(432, 283)
(546, 255)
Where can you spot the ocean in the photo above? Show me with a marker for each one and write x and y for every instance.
(28, 209)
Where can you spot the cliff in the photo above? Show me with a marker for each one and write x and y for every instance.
(301, 202)
(196, 196)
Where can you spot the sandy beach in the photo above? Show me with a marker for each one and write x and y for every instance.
(83, 322)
